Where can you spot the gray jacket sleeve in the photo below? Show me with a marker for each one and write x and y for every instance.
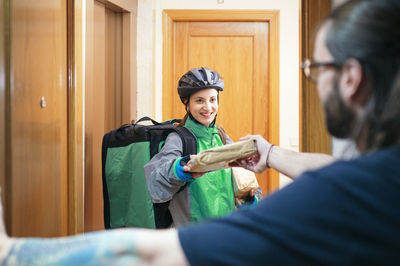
(159, 172)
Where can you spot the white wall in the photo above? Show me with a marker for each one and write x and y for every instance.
(145, 58)
(149, 52)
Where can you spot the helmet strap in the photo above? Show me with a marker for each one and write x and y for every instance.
(213, 122)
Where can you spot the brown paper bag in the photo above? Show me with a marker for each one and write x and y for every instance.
(243, 181)
(220, 157)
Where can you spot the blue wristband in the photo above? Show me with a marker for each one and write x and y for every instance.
(179, 173)
(255, 202)
(248, 205)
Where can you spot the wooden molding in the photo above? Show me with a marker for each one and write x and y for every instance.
(223, 15)
(75, 116)
(270, 16)
(5, 110)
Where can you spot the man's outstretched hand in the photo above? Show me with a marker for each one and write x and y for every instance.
(257, 162)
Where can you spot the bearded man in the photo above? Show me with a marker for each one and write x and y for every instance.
(340, 213)
(345, 213)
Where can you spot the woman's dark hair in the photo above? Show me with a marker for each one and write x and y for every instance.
(368, 30)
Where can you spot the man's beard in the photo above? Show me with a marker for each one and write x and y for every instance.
(340, 119)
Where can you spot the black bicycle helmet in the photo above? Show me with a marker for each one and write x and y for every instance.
(198, 79)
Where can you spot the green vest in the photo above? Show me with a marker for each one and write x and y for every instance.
(212, 194)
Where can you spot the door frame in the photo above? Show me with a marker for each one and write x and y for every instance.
(170, 16)
(128, 10)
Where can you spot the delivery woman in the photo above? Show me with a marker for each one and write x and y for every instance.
(193, 196)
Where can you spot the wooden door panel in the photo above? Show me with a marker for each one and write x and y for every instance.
(232, 68)
(239, 52)
(38, 185)
(113, 70)
(233, 49)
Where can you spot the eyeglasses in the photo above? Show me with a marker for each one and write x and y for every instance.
(313, 69)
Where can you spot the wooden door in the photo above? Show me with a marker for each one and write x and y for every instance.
(314, 136)
(3, 107)
(240, 52)
(108, 102)
(36, 182)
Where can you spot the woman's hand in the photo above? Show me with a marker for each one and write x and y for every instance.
(188, 168)
(239, 202)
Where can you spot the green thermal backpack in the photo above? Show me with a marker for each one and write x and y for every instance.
(125, 151)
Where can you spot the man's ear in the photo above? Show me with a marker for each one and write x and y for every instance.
(351, 83)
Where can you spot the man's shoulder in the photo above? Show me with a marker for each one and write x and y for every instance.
(377, 167)
(388, 157)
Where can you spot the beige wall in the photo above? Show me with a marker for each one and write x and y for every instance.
(150, 57)
(145, 58)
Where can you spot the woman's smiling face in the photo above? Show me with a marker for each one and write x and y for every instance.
(203, 105)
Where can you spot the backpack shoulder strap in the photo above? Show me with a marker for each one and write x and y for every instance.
(188, 140)
(163, 218)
